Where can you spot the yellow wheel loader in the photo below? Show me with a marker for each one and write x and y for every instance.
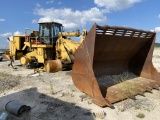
(114, 63)
(49, 46)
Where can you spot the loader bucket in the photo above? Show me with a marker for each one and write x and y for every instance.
(107, 55)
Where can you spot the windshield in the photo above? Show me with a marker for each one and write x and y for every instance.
(45, 30)
(56, 29)
(48, 32)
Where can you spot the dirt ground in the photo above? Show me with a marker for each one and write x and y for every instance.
(53, 96)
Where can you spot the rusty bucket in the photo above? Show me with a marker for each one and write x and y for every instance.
(110, 51)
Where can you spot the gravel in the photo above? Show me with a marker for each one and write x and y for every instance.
(109, 80)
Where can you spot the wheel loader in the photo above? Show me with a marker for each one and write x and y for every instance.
(114, 63)
(49, 47)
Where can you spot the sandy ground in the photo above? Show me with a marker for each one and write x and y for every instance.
(53, 96)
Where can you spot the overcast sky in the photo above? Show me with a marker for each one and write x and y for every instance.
(15, 15)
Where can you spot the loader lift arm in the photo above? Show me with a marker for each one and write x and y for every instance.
(65, 47)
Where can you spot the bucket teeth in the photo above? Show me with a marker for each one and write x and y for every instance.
(156, 87)
(130, 88)
(148, 89)
(132, 97)
(152, 83)
(140, 91)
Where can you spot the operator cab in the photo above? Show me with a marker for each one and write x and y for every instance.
(48, 32)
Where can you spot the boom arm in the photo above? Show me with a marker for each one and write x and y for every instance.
(65, 49)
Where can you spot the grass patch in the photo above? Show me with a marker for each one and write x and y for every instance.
(8, 81)
(2, 74)
(51, 87)
(140, 115)
(137, 107)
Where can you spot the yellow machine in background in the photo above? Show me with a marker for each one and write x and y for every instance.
(15, 47)
(44, 47)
